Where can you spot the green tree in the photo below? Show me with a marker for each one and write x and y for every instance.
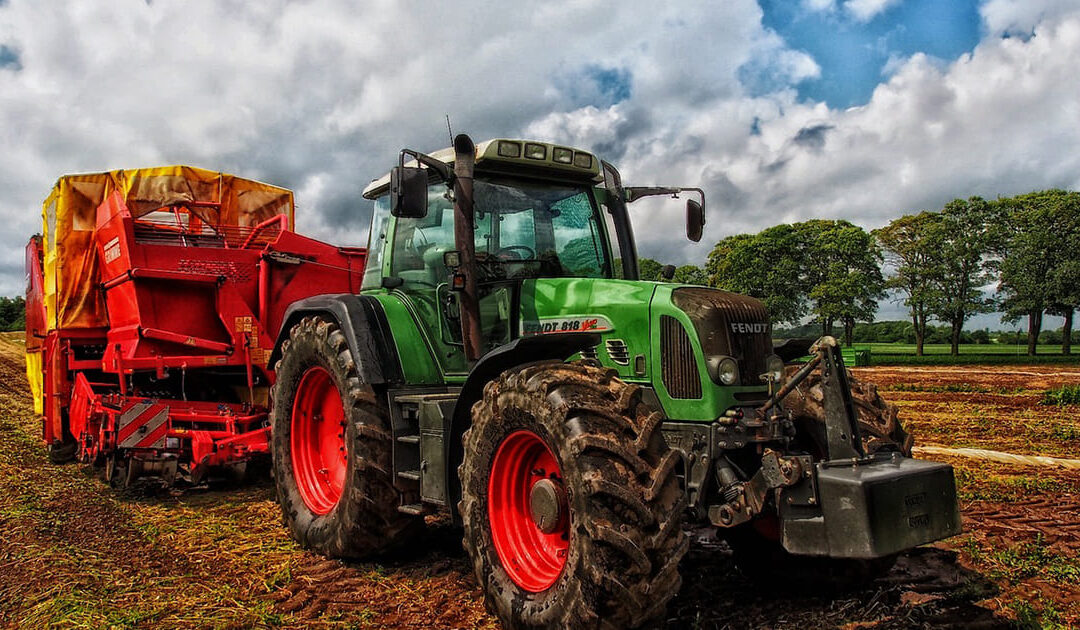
(828, 269)
(907, 249)
(12, 313)
(962, 242)
(690, 274)
(843, 273)
(649, 269)
(768, 265)
(1039, 271)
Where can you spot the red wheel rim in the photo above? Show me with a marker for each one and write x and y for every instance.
(531, 557)
(318, 441)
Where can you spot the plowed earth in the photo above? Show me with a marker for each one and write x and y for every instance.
(74, 553)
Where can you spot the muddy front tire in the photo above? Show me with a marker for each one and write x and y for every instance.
(571, 507)
(879, 422)
(331, 446)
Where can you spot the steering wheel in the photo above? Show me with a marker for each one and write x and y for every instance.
(512, 252)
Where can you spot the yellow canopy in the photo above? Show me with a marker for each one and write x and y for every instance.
(72, 276)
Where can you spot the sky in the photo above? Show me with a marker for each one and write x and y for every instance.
(782, 110)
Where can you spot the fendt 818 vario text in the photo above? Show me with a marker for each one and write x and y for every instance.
(501, 362)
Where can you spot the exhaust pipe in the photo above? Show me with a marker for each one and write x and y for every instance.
(465, 243)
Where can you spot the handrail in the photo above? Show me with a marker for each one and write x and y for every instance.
(280, 218)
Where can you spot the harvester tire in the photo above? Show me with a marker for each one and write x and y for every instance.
(570, 502)
(332, 450)
(879, 422)
(62, 452)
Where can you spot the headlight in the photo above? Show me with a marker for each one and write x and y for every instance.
(774, 368)
(725, 370)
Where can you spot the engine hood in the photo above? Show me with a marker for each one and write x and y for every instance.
(729, 324)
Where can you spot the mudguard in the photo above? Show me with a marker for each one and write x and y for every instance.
(364, 324)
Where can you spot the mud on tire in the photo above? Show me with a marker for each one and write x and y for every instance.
(365, 520)
(624, 538)
(878, 420)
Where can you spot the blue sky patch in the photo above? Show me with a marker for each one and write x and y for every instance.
(853, 55)
(9, 58)
(599, 86)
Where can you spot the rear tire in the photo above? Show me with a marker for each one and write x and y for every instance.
(610, 559)
(332, 450)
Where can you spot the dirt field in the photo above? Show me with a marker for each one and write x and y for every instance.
(75, 554)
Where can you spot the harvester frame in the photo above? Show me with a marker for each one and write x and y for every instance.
(153, 300)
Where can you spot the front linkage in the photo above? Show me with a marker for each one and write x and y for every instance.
(845, 503)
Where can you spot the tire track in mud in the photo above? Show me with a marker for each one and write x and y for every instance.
(50, 518)
(1056, 521)
(387, 594)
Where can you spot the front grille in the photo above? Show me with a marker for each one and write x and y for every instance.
(588, 353)
(678, 365)
(617, 352)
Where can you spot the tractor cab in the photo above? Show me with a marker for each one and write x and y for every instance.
(538, 212)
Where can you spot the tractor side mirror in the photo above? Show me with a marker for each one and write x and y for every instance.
(667, 273)
(695, 220)
(408, 192)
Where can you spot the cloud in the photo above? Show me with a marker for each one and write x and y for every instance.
(819, 5)
(320, 97)
(812, 136)
(1020, 17)
(866, 10)
(998, 121)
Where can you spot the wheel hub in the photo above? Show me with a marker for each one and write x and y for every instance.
(545, 504)
(319, 456)
(528, 511)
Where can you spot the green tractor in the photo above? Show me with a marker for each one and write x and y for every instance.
(504, 363)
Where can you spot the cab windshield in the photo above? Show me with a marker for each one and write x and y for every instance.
(523, 230)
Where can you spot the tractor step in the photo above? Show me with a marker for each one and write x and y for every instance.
(409, 439)
(414, 509)
(412, 475)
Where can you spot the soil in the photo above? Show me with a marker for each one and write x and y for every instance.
(75, 553)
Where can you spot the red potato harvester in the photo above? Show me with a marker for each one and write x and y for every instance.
(153, 298)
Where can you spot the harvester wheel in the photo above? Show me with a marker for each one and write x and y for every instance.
(332, 450)
(115, 472)
(570, 501)
(878, 420)
(62, 452)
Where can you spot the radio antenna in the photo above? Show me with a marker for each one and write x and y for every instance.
(448, 130)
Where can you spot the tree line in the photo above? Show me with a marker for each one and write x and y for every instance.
(1019, 255)
(12, 313)
(902, 332)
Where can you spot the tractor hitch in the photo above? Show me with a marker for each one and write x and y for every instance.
(849, 504)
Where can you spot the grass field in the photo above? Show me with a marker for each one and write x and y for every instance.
(938, 354)
(76, 554)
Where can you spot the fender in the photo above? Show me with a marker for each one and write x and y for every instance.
(366, 329)
(521, 351)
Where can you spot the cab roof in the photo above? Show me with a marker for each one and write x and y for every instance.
(536, 158)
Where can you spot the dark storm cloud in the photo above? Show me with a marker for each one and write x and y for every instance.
(812, 137)
(630, 129)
